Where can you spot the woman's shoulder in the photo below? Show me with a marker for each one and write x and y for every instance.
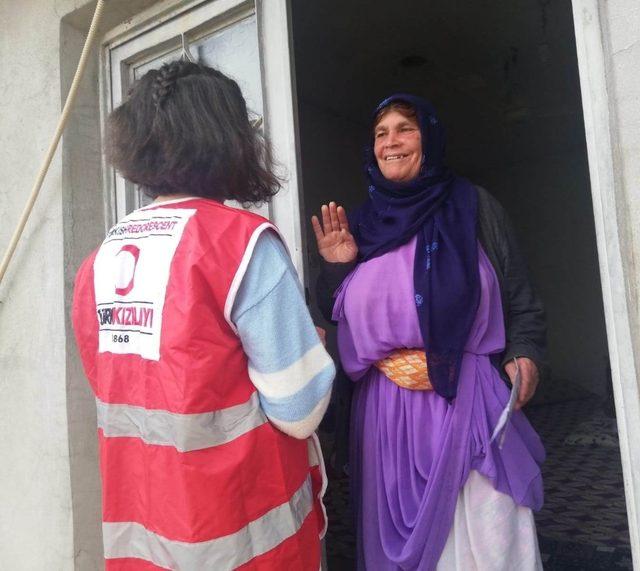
(215, 222)
(487, 203)
(492, 217)
(222, 209)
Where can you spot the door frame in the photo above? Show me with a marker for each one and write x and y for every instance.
(608, 206)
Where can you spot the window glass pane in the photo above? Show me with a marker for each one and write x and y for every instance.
(234, 51)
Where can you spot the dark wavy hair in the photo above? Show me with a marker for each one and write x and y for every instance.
(184, 128)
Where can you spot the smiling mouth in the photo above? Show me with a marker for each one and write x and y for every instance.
(395, 157)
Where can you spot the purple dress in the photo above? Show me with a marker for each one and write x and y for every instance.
(411, 450)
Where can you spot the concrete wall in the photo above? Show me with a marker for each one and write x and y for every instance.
(49, 482)
(35, 492)
(609, 51)
(83, 230)
(621, 28)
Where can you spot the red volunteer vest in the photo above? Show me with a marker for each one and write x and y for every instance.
(194, 476)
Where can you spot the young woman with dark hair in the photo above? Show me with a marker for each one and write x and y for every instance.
(209, 375)
(184, 129)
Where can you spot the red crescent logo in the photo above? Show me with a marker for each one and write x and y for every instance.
(135, 252)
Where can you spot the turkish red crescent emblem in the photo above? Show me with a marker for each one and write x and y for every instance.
(129, 249)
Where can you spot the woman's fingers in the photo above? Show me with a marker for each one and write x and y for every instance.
(317, 229)
(530, 378)
(342, 219)
(334, 219)
(326, 219)
(333, 213)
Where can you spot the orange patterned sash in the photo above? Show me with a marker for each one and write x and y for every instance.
(407, 368)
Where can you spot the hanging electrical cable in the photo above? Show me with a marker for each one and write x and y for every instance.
(66, 110)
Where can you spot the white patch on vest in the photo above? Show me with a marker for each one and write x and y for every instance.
(131, 273)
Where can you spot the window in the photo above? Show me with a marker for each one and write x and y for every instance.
(248, 41)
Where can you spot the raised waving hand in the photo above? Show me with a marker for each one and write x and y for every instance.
(335, 242)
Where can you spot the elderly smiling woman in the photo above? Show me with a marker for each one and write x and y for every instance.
(434, 308)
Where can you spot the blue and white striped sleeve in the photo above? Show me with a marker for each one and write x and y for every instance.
(288, 364)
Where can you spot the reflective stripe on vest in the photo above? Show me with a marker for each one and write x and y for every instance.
(130, 539)
(185, 432)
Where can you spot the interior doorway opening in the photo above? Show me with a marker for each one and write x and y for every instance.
(504, 78)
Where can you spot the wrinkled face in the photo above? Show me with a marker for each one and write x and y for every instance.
(398, 147)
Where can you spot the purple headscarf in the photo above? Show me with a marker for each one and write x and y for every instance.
(441, 208)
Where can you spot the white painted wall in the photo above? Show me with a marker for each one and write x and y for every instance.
(621, 21)
(608, 37)
(35, 492)
(49, 482)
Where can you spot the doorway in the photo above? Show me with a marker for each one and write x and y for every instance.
(504, 78)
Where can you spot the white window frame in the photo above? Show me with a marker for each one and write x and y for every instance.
(157, 31)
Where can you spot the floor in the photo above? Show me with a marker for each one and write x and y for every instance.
(583, 523)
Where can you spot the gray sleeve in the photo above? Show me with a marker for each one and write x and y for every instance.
(525, 321)
(330, 278)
